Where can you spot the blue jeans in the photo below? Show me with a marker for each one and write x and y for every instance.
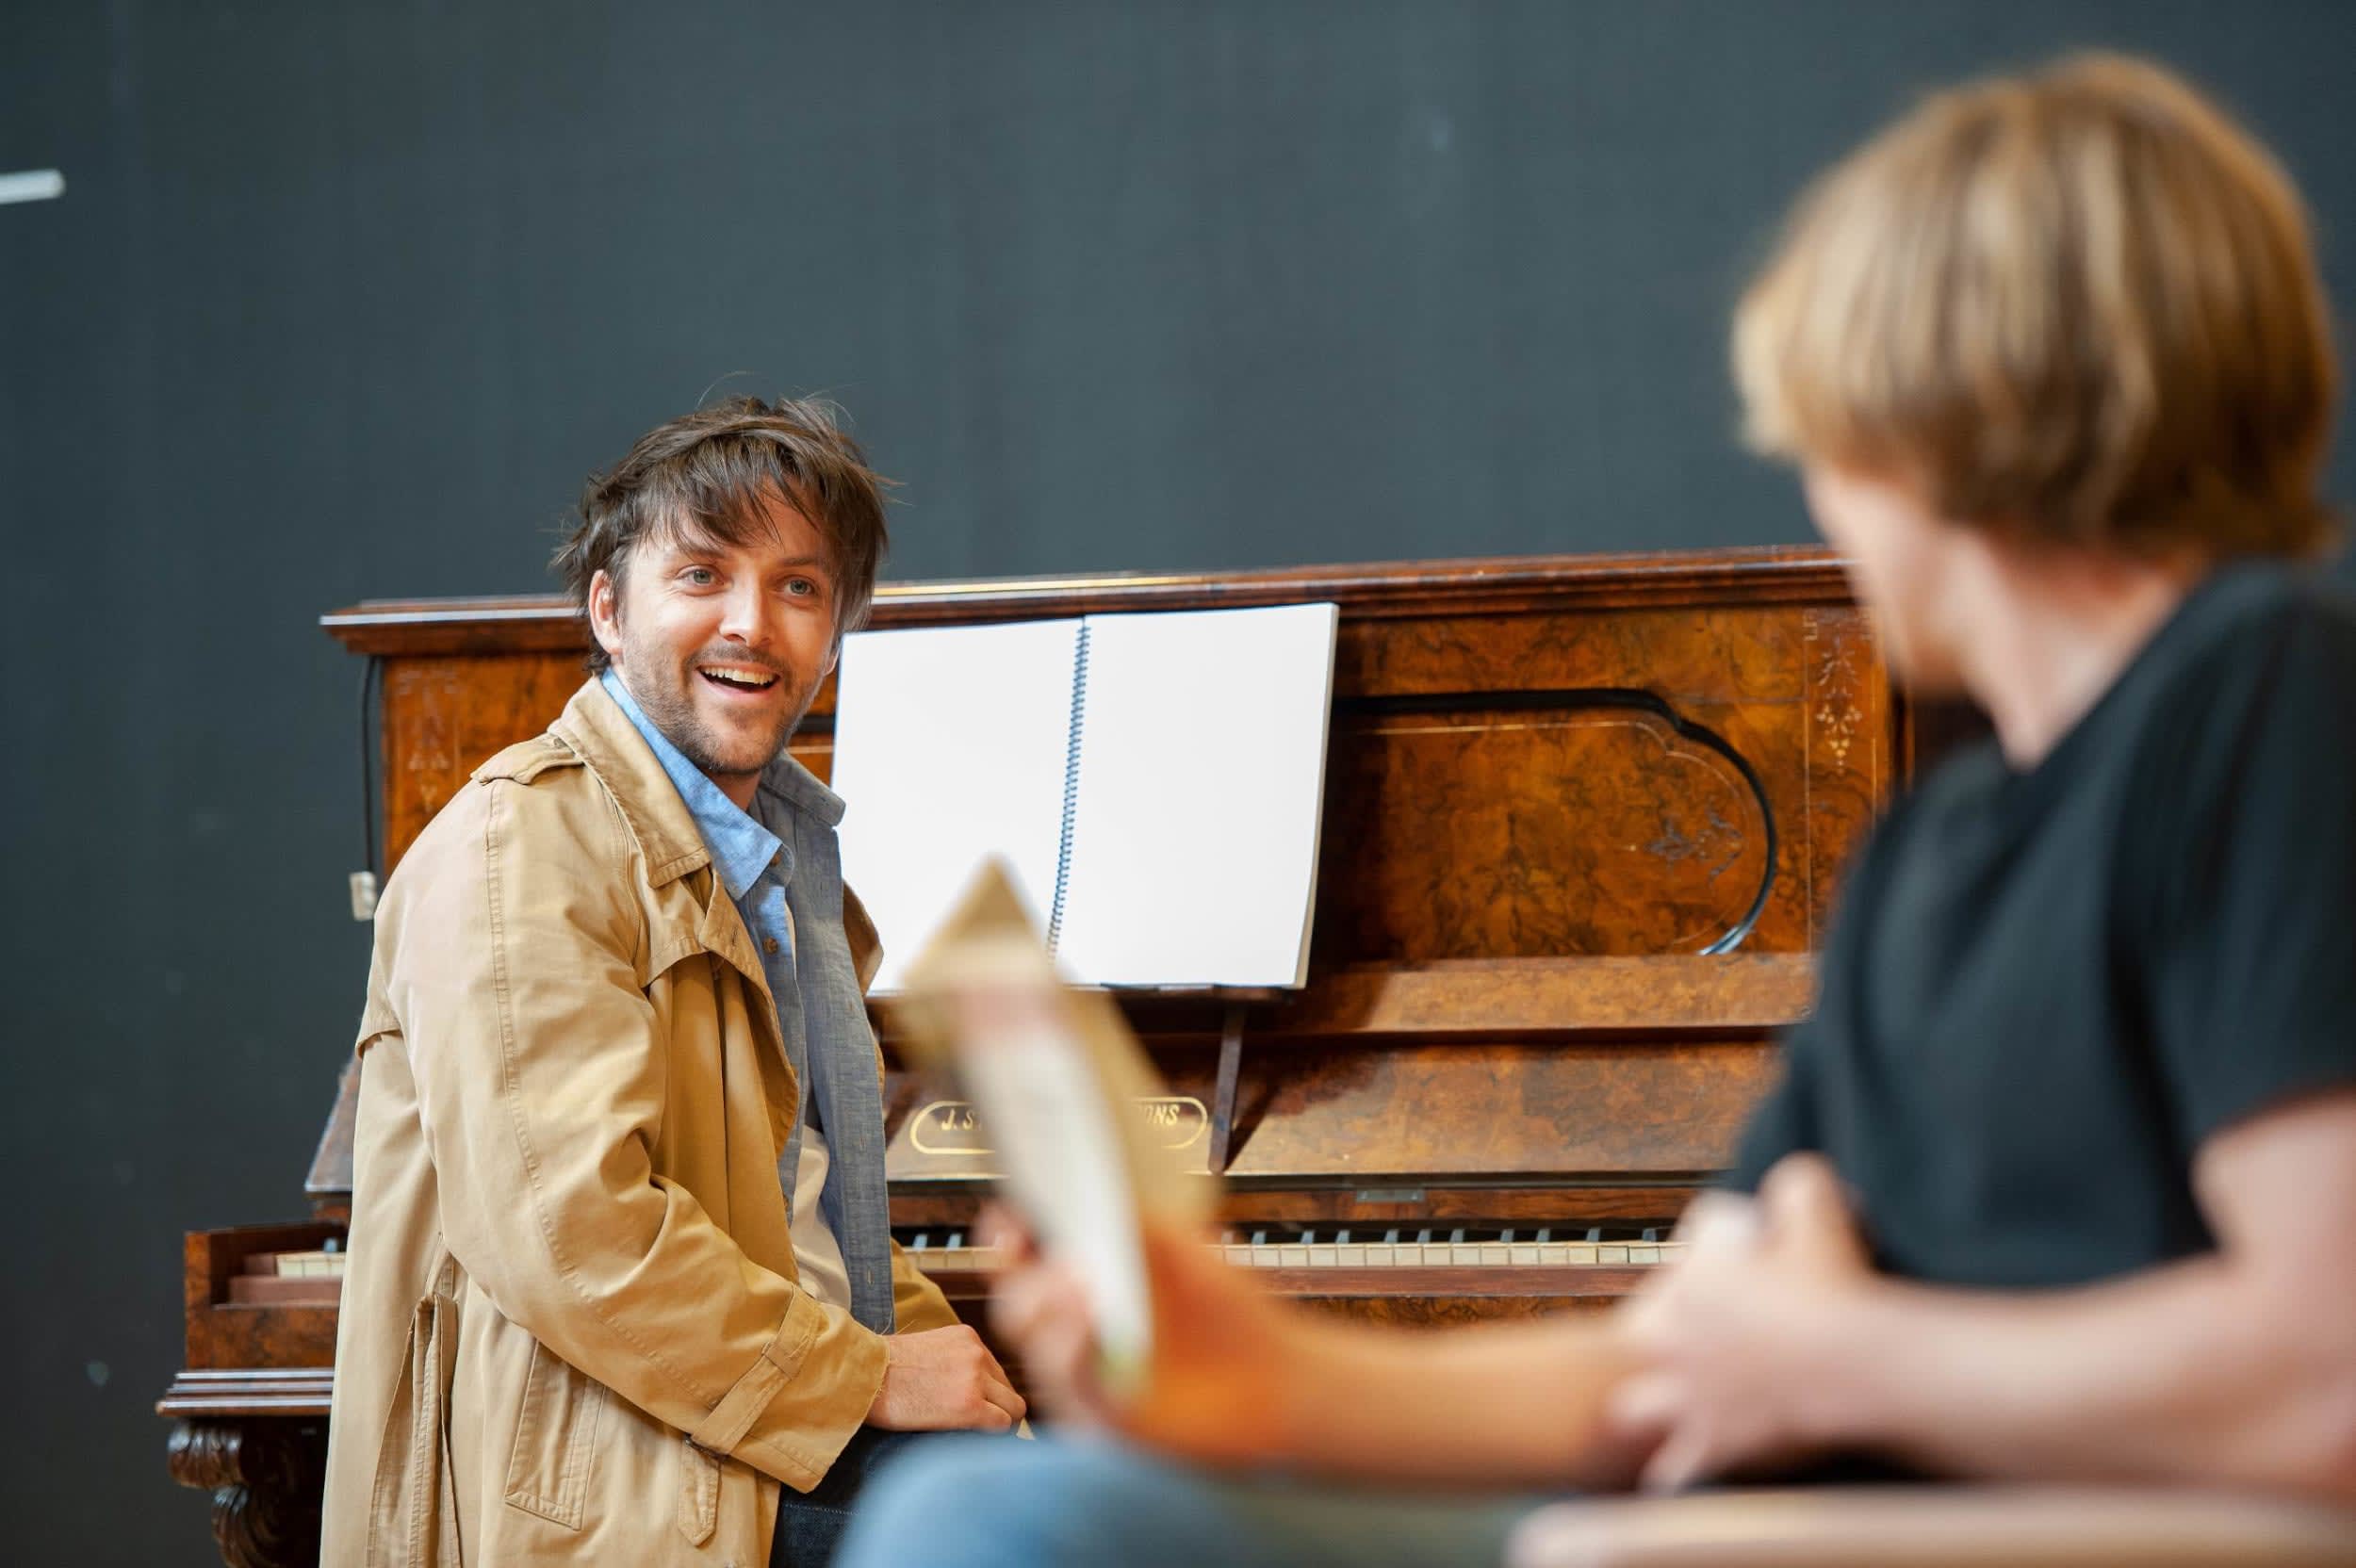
(811, 1523)
(967, 1502)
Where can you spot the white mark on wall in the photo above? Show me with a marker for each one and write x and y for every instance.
(31, 185)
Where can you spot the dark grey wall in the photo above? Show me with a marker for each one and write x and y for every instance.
(345, 300)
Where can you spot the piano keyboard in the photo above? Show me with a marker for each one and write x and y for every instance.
(1365, 1246)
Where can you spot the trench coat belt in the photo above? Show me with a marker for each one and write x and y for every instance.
(413, 1514)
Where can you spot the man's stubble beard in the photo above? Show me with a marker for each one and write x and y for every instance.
(672, 711)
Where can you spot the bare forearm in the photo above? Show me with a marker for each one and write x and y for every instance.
(1518, 1405)
(2182, 1373)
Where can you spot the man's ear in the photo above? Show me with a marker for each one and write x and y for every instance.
(834, 656)
(605, 613)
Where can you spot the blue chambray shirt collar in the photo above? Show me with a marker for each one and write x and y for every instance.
(742, 848)
(787, 780)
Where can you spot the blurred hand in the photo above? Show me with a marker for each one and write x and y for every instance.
(1734, 1339)
(942, 1380)
(1225, 1357)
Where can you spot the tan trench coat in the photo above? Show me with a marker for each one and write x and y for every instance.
(571, 1327)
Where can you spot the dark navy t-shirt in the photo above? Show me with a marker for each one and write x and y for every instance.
(2046, 990)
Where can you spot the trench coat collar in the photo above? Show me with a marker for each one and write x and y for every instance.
(610, 745)
(743, 847)
(593, 725)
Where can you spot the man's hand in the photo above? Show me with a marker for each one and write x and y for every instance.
(944, 1379)
(1736, 1338)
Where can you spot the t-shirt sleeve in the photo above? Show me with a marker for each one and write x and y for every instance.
(1785, 1121)
(2253, 982)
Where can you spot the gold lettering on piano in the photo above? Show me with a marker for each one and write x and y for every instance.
(953, 1126)
(1180, 1120)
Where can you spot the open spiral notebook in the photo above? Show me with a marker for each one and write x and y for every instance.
(1153, 783)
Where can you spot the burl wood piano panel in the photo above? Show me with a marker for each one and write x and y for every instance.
(1364, 1116)
(1556, 818)
(445, 715)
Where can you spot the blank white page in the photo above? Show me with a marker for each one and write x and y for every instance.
(949, 745)
(1194, 854)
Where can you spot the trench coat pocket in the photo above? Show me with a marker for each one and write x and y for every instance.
(698, 1492)
(556, 1440)
(413, 1507)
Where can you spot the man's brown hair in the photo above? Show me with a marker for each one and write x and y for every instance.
(705, 474)
(2079, 306)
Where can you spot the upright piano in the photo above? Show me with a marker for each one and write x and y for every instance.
(1583, 824)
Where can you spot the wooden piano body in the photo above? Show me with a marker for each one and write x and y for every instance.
(1584, 823)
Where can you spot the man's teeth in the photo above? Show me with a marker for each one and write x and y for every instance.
(751, 679)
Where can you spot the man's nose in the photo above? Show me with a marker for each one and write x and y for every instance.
(744, 616)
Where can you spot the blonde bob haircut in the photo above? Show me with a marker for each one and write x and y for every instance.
(2079, 307)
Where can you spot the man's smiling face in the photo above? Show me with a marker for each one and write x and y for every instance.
(724, 645)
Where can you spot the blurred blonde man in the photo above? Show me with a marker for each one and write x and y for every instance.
(2065, 1161)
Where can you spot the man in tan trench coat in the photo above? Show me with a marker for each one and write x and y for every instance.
(620, 1286)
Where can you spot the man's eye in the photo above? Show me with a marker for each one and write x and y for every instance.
(699, 577)
(801, 587)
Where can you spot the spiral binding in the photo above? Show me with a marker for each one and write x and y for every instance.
(1070, 784)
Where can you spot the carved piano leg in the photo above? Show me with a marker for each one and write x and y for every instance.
(266, 1477)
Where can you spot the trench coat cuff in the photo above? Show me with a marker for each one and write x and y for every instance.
(800, 1408)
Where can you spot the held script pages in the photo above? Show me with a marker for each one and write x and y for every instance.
(1153, 783)
(1060, 1076)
